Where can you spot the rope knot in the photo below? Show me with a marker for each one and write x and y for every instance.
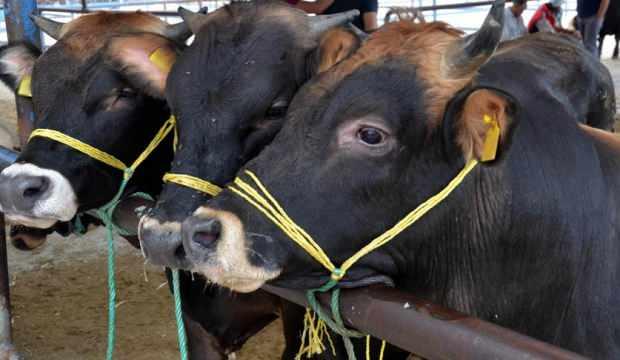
(337, 274)
(127, 174)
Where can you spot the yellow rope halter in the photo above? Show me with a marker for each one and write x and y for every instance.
(255, 193)
(103, 156)
(193, 182)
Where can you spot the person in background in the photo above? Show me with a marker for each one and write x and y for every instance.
(514, 26)
(312, 7)
(548, 18)
(367, 21)
(590, 16)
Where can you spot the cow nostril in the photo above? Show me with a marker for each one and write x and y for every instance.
(207, 233)
(35, 187)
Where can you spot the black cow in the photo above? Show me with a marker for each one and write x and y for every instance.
(593, 102)
(229, 92)
(528, 240)
(98, 84)
(611, 26)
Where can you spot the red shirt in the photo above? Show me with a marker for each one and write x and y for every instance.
(543, 11)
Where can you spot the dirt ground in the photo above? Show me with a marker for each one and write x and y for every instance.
(60, 299)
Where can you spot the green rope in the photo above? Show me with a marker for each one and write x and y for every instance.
(105, 213)
(178, 313)
(334, 322)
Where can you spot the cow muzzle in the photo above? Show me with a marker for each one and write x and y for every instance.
(36, 197)
(218, 248)
(161, 243)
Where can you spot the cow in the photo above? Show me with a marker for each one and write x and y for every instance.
(229, 91)
(528, 240)
(98, 84)
(611, 26)
(594, 103)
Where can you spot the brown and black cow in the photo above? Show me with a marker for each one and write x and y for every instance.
(528, 240)
(98, 84)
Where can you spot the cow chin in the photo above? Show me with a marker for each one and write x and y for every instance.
(55, 200)
(229, 260)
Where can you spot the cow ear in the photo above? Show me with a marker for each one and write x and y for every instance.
(16, 63)
(144, 59)
(334, 46)
(479, 123)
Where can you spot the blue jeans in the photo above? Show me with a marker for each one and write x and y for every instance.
(589, 28)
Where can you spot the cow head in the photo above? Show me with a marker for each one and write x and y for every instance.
(98, 84)
(363, 145)
(229, 92)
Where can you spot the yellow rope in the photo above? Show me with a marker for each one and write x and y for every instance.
(274, 212)
(193, 182)
(410, 219)
(261, 199)
(79, 146)
(268, 205)
(168, 126)
(103, 156)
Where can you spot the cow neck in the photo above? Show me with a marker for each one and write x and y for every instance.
(258, 196)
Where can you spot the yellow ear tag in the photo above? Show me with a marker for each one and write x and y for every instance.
(163, 59)
(491, 139)
(25, 86)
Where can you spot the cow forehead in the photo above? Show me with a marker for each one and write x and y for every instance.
(262, 15)
(420, 45)
(87, 34)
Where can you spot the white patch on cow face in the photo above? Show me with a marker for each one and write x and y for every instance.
(229, 266)
(59, 203)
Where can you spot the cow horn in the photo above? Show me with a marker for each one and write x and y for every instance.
(48, 26)
(473, 50)
(321, 23)
(195, 20)
(361, 34)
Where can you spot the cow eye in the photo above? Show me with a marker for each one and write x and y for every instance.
(371, 136)
(277, 109)
(126, 93)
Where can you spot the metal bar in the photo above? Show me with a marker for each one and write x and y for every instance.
(5, 301)
(457, 6)
(20, 27)
(400, 318)
(429, 330)
(89, 10)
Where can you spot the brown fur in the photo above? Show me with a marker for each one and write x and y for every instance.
(472, 129)
(422, 45)
(87, 34)
(335, 46)
(131, 54)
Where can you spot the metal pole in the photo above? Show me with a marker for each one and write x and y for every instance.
(5, 300)
(20, 27)
(429, 330)
(84, 5)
